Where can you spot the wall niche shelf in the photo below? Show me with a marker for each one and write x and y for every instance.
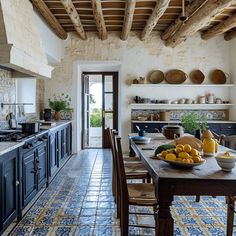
(162, 106)
(182, 85)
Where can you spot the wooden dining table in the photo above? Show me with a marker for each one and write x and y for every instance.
(206, 179)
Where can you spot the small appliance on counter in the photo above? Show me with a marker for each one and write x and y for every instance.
(30, 127)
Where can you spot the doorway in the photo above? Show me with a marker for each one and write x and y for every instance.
(100, 107)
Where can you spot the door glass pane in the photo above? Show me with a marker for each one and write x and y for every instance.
(109, 120)
(108, 102)
(108, 83)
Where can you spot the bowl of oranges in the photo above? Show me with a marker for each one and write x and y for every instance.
(182, 156)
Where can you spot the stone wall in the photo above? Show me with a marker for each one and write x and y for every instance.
(136, 58)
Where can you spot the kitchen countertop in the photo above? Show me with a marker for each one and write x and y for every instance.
(9, 146)
(178, 121)
(56, 124)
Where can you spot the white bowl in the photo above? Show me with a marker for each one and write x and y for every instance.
(226, 163)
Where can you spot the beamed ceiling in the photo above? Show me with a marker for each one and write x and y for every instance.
(164, 17)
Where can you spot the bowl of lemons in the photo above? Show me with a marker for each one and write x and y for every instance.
(226, 161)
(182, 156)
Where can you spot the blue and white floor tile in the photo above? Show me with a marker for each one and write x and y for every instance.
(79, 202)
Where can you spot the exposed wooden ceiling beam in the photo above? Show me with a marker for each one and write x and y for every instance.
(220, 28)
(74, 16)
(157, 12)
(99, 19)
(50, 18)
(190, 9)
(198, 20)
(129, 14)
(230, 35)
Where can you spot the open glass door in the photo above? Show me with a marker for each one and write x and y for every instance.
(85, 107)
(110, 104)
(100, 109)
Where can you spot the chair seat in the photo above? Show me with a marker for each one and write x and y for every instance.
(142, 194)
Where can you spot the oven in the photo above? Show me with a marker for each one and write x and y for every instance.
(34, 159)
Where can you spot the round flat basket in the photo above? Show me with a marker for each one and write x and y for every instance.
(156, 77)
(218, 77)
(175, 77)
(196, 76)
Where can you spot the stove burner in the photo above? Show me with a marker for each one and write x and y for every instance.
(13, 135)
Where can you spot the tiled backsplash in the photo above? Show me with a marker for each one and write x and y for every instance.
(176, 114)
(8, 95)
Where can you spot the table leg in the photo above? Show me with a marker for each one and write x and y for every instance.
(164, 221)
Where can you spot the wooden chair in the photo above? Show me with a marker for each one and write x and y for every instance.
(138, 194)
(133, 169)
(230, 142)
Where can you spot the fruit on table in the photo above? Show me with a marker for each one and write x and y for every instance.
(163, 148)
(227, 155)
(192, 141)
(182, 153)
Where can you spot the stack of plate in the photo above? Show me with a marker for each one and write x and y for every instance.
(141, 139)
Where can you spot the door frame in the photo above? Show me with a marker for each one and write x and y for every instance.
(115, 84)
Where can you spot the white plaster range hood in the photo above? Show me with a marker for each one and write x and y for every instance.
(21, 49)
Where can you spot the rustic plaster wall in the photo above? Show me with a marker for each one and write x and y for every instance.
(137, 58)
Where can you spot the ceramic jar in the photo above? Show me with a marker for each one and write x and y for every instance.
(202, 99)
(211, 98)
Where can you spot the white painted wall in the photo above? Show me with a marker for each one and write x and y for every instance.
(232, 44)
(52, 44)
(137, 58)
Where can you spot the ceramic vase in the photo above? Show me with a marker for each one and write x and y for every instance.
(57, 115)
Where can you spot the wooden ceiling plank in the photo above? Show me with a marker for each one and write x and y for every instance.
(190, 9)
(74, 16)
(99, 19)
(157, 12)
(129, 14)
(198, 21)
(230, 35)
(50, 18)
(220, 28)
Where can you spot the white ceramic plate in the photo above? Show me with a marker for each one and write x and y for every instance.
(143, 140)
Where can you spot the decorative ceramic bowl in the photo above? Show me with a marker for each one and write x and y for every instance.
(227, 163)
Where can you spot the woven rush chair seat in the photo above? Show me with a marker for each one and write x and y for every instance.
(142, 194)
(138, 194)
(133, 169)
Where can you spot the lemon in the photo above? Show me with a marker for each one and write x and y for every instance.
(194, 152)
(180, 146)
(197, 159)
(187, 148)
(179, 159)
(183, 155)
(178, 150)
(170, 157)
(186, 160)
(164, 153)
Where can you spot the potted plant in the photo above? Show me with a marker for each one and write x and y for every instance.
(59, 103)
(192, 124)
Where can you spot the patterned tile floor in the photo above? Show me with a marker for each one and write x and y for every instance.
(79, 202)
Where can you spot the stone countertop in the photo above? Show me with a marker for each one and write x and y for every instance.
(178, 121)
(9, 146)
(55, 125)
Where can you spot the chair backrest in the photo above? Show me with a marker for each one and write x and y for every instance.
(229, 141)
(121, 170)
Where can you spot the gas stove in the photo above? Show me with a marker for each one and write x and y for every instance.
(30, 140)
(14, 135)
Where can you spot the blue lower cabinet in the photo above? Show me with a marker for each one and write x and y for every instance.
(9, 188)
